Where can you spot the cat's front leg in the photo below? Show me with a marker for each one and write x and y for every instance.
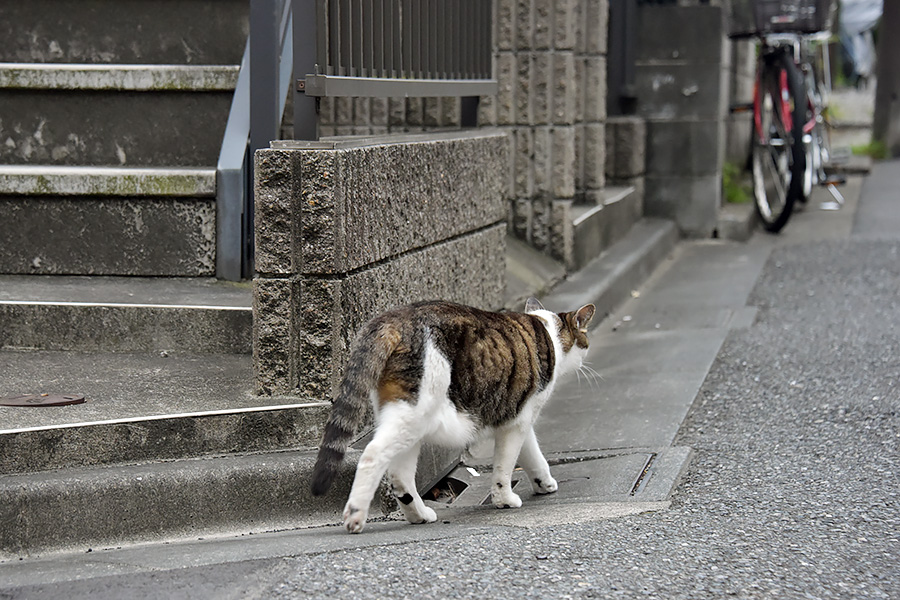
(507, 444)
(534, 463)
(355, 518)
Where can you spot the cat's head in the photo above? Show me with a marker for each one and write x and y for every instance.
(571, 327)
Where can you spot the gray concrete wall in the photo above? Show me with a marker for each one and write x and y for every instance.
(682, 74)
(739, 125)
(348, 229)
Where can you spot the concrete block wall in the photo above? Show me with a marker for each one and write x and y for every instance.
(681, 76)
(626, 154)
(550, 63)
(348, 229)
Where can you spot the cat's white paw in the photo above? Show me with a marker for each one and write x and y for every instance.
(427, 516)
(544, 485)
(354, 519)
(509, 499)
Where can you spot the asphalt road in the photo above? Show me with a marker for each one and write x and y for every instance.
(792, 491)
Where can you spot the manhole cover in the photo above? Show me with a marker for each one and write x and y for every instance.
(42, 400)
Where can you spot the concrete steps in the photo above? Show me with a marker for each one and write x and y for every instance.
(125, 314)
(108, 221)
(178, 446)
(598, 225)
(109, 169)
(128, 115)
(200, 32)
(113, 117)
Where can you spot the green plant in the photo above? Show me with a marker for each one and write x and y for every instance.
(735, 186)
(875, 149)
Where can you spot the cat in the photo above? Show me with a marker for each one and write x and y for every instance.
(447, 373)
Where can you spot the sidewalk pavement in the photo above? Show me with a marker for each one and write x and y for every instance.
(755, 514)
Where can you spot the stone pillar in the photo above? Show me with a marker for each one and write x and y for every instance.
(550, 64)
(348, 229)
(682, 74)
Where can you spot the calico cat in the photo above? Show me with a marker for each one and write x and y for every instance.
(445, 373)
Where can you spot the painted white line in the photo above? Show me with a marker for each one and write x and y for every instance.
(121, 305)
(125, 421)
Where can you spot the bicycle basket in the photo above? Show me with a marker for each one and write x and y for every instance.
(759, 17)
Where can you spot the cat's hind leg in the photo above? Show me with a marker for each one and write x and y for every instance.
(395, 434)
(402, 471)
(532, 460)
(507, 444)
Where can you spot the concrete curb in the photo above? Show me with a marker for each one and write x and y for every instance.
(80, 509)
(609, 279)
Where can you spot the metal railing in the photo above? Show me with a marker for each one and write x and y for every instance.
(358, 48)
(391, 48)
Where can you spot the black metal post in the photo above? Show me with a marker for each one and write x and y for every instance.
(264, 105)
(306, 14)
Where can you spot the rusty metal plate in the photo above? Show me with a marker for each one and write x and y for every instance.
(42, 400)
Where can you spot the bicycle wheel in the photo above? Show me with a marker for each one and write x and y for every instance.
(779, 156)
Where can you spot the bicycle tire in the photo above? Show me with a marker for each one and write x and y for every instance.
(778, 160)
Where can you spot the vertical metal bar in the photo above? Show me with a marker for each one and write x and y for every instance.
(356, 38)
(322, 53)
(477, 39)
(413, 50)
(440, 40)
(306, 15)
(456, 37)
(264, 104)
(423, 38)
(334, 38)
(398, 19)
(263, 72)
(468, 33)
(379, 38)
(485, 57)
(231, 176)
(482, 57)
(433, 39)
(368, 50)
(346, 44)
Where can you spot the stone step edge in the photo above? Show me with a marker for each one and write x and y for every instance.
(109, 77)
(112, 443)
(611, 195)
(83, 508)
(609, 279)
(54, 180)
(78, 509)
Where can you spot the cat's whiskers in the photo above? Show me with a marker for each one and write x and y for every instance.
(594, 372)
(592, 376)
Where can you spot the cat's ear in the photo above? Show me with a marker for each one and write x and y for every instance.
(533, 304)
(583, 316)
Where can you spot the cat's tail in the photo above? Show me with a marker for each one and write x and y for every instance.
(368, 358)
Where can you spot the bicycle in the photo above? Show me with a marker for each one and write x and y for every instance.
(789, 139)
